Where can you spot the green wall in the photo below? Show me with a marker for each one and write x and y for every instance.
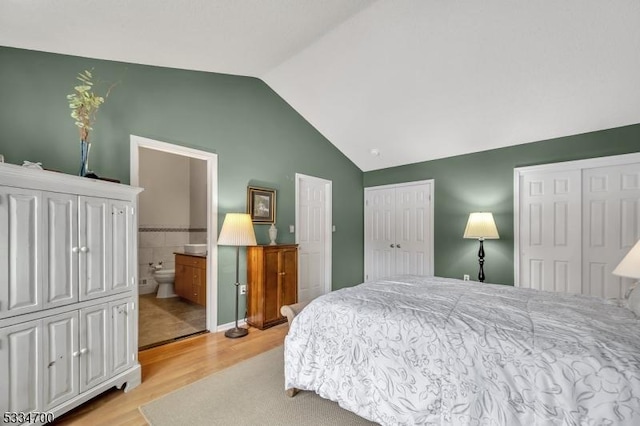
(483, 181)
(260, 140)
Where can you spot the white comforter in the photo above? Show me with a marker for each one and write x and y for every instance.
(427, 350)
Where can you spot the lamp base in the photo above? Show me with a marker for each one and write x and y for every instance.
(236, 332)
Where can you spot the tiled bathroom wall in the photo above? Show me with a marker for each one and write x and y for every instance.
(158, 244)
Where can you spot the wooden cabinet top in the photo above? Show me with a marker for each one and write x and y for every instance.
(276, 246)
(182, 253)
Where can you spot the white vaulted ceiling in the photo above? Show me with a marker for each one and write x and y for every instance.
(414, 79)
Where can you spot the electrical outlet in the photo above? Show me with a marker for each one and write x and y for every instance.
(243, 289)
(466, 277)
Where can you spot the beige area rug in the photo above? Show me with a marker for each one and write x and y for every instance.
(160, 320)
(248, 393)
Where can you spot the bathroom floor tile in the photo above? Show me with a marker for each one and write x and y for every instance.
(160, 320)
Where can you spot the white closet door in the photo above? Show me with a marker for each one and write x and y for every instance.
(611, 212)
(412, 230)
(550, 231)
(398, 230)
(380, 232)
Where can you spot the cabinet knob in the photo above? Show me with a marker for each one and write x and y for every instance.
(84, 249)
(392, 245)
(75, 354)
(398, 245)
(83, 351)
(282, 273)
(75, 249)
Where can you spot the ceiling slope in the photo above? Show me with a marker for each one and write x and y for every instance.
(413, 79)
(242, 37)
(419, 80)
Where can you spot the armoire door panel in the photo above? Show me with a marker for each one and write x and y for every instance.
(95, 339)
(61, 357)
(20, 254)
(21, 368)
(121, 234)
(93, 241)
(121, 337)
(60, 258)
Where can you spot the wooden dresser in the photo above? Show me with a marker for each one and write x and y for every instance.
(191, 278)
(272, 278)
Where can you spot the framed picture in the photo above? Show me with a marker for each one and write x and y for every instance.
(261, 204)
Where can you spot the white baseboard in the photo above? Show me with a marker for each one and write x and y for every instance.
(227, 326)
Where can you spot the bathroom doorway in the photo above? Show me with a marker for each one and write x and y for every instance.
(177, 230)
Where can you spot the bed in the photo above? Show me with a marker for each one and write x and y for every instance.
(429, 350)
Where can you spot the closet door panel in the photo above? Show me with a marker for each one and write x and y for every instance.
(380, 230)
(611, 200)
(550, 234)
(412, 230)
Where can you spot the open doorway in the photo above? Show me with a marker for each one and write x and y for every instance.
(177, 230)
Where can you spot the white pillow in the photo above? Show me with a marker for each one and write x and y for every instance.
(633, 302)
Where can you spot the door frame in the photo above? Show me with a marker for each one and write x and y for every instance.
(431, 183)
(519, 172)
(211, 158)
(328, 226)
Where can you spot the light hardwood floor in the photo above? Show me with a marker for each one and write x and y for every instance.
(170, 367)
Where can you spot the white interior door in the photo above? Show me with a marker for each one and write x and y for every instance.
(575, 221)
(611, 212)
(550, 231)
(313, 236)
(412, 230)
(380, 233)
(398, 230)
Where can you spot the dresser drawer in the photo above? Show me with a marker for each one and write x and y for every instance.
(195, 261)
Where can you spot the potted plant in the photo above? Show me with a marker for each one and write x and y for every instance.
(84, 104)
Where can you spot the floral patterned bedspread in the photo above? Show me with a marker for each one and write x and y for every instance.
(428, 350)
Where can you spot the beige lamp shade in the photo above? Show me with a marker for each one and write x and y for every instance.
(481, 226)
(237, 230)
(630, 264)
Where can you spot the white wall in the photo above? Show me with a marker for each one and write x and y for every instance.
(172, 210)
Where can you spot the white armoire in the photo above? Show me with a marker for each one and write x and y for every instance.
(574, 222)
(398, 233)
(68, 293)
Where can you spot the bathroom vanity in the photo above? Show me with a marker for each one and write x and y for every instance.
(191, 277)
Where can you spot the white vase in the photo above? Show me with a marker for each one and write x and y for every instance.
(273, 233)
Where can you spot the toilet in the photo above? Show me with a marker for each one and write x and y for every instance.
(165, 278)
